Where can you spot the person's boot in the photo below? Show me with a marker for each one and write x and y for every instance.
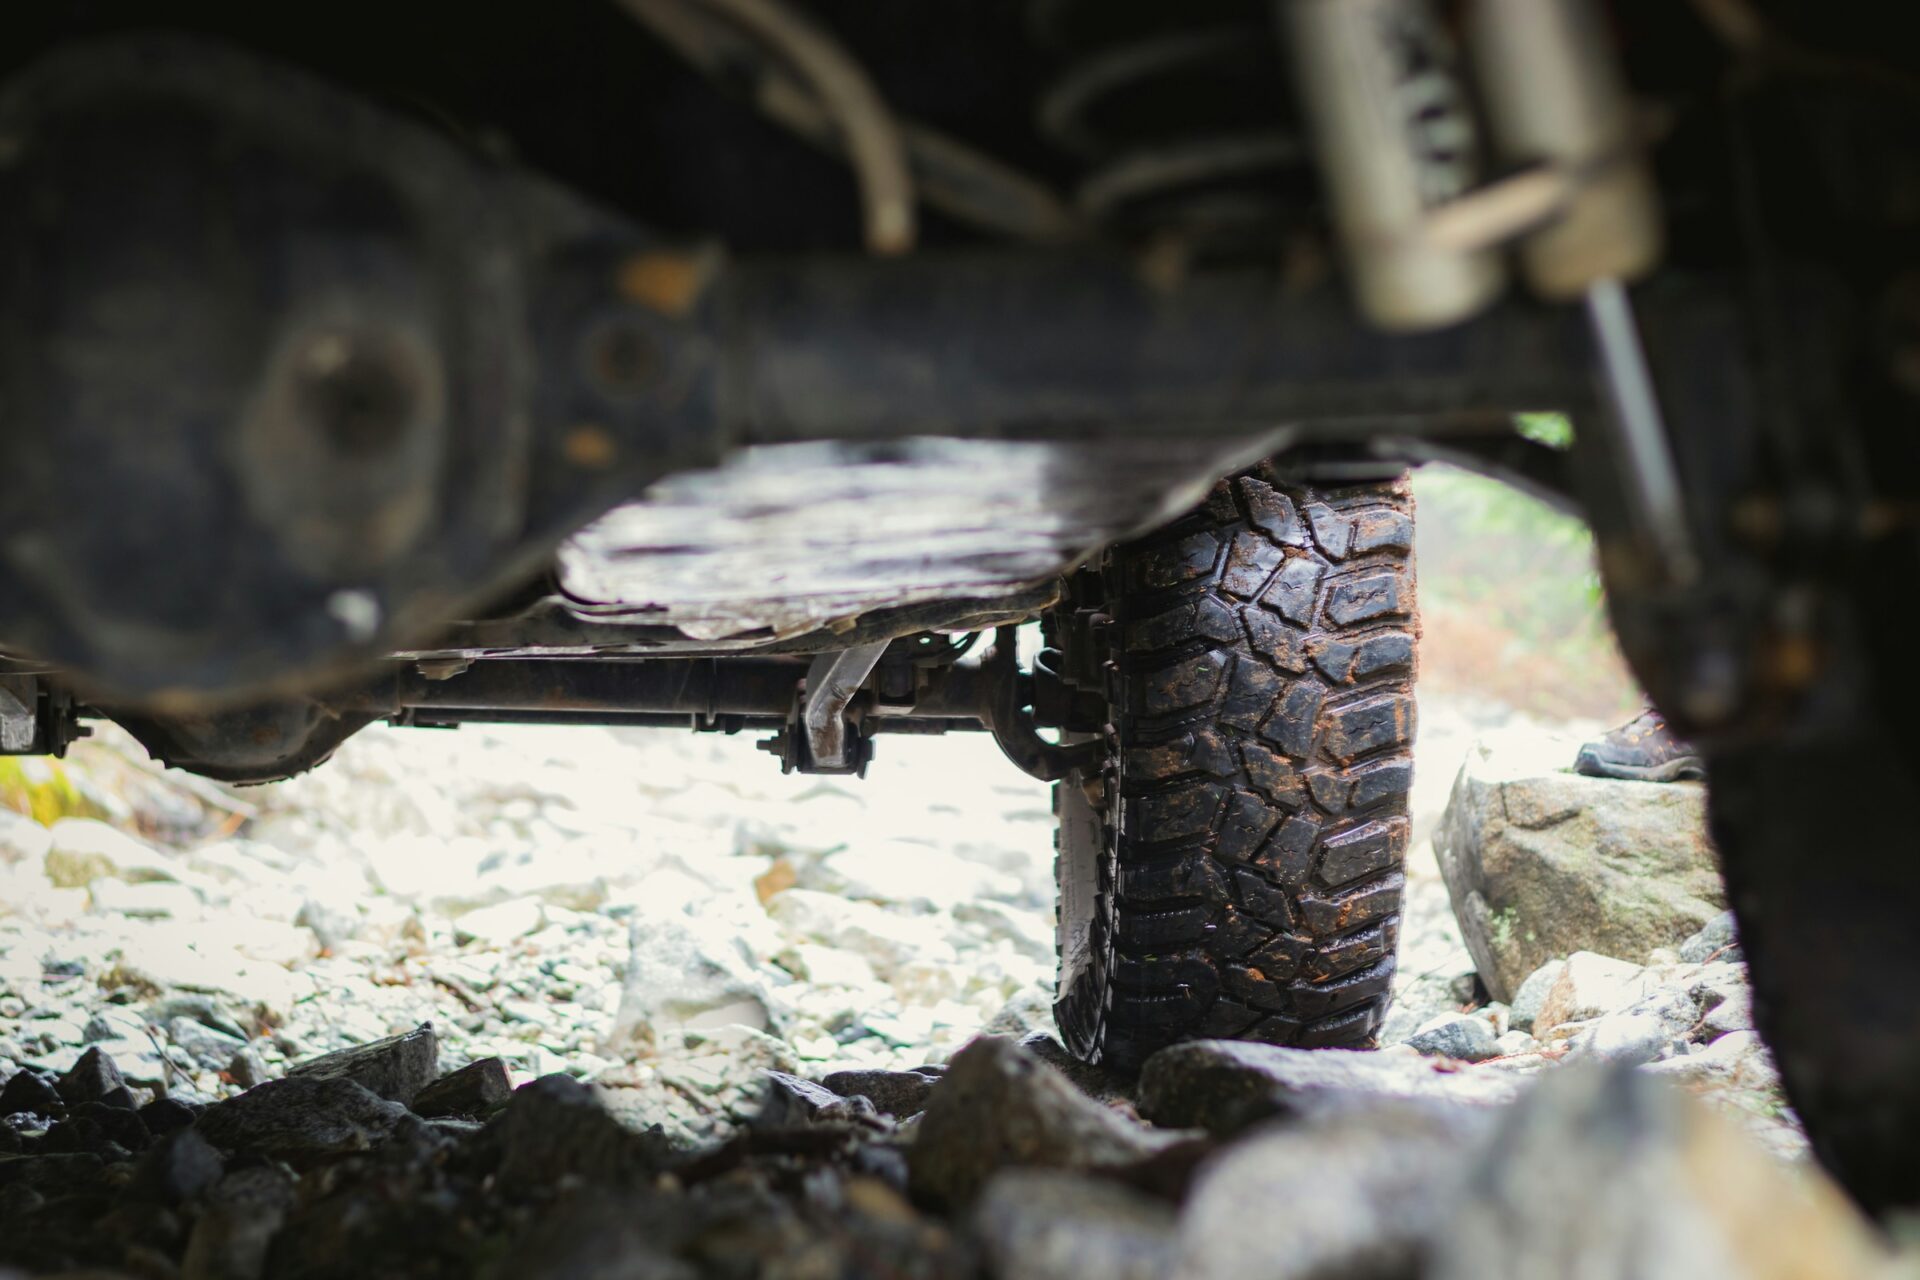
(1641, 750)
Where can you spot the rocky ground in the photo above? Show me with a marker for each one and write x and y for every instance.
(647, 925)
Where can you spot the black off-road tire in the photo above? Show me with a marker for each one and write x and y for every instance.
(1816, 835)
(1235, 869)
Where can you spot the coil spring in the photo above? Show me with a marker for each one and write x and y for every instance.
(1181, 115)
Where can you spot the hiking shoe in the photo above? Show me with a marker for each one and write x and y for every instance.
(1642, 750)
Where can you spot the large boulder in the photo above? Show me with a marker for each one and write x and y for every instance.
(1543, 863)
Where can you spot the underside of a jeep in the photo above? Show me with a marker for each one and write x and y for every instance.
(752, 366)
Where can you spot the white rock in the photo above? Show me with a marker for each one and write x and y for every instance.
(245, 862)
(1533, 993)
(1628, 1038)
(682, 973)
(1738, 1059)
(1496, 1015)
(884, 939)
(1735, 1013)
(169, 956)
(148, 900)
(1590, 985)
(22, 839)
(1515, 1043)
(830, 966)
(498, 925)
(413, 867)
(1671, 1007)
(1029, 931)
(572, 875)
(82, 850)
(909, 874)
(1710, 985)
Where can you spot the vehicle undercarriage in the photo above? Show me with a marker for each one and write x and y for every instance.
(725, 365)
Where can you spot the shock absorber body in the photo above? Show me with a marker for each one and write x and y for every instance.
(1395, 136)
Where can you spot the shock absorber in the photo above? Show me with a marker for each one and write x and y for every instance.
(1555, 97)
(1396, 140)
(1395, 136)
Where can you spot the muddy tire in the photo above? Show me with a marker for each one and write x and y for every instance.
(1816, 837)
(1235, 868)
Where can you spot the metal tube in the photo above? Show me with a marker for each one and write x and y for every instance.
(1547, 72)
(685, 686)
(1017, 346)
(1654, 480)
(1395, 138)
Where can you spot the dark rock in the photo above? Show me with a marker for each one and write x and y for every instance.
(892, 1093)
(1610, 1172)
(396, 1068)
(592, 1234)
(153, 1228)
(90, 1079)
(199, 1007)
(556, 1126)
(999, 1107)
(17, 1201)
(301, 1118)
(24, 1127)
(169, 1115)
(52, 1175)
(180, 1166)
(1463, 1037)
(456, 1128)
(29, 1091)
(121, 1098)
(401, 1215)
(1718, 939)
(244, 1212)
(1355, 1192)
(883, 1162)
(1218, 1085)
(115, 1124)
(473, 1090)
(1466, 988)
(791, 1101)
(1046, 1224)
(247, 1069)
(212, 1049)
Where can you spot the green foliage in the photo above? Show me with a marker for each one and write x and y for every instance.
(1511, 595)
(1511, 526)
(43, 789)
(1554, 430)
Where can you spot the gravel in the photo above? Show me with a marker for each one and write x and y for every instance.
(665, 917)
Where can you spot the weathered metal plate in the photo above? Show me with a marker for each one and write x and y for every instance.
(788, 539)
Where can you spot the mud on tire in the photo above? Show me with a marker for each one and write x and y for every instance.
(1235, 870)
